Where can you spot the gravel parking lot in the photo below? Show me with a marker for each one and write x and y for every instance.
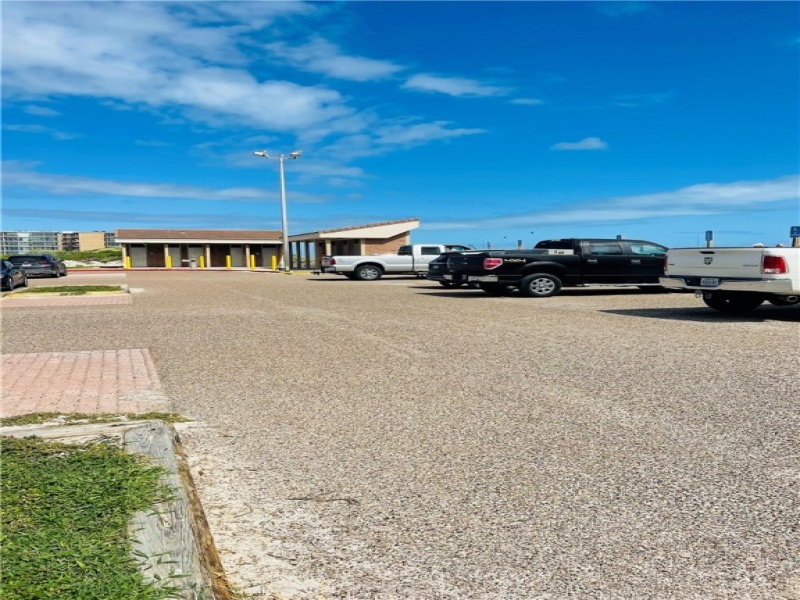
(398, 440)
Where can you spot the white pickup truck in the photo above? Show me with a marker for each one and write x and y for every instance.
(412, 259)
(735, 280)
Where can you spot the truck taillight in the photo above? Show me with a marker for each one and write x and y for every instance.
(666, 264)
(492, 263)
(774, 265)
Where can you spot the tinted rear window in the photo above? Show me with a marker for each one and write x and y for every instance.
(555, 245)
(26, 258)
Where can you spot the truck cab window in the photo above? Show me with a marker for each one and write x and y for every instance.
(604, 248)
(648, 249)
(404, 251)
(430, 250)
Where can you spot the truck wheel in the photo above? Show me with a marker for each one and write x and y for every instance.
(539, 285)
(368, 273)
(731, 302)
(496, 289)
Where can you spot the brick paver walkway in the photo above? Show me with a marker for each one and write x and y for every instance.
(32, 302)
(97, 381)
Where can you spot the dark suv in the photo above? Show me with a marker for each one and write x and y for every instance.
(39, 264)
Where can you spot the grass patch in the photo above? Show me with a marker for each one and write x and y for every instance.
(79, 418)
(66, 511)
(72, 290)
(99, 255)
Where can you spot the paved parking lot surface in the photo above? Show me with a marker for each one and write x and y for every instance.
(12, 301)
(397, 440)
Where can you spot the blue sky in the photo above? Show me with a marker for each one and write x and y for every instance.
(492, 122)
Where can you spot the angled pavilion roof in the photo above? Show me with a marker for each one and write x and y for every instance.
(385, 229)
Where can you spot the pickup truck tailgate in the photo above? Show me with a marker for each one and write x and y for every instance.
(722, 263)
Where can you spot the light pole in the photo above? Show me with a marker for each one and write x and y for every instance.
(286, 261)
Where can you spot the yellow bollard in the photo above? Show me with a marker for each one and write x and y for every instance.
(169, 262)
(228, 262)
(128, 262)
(252, 262)
(274, 263)
(201, 262)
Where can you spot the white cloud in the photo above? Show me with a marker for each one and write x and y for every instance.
(40, 111)
(527, 101)
(453, 86)
(701, 199)
(321, 56)
(389, 137)
(219, 95)
(420, 133)
(636, 100)
(723, 196)
(17, 173)
(622, 9)
(152, 143)
(53, 133)
(191, 62)
(111, 219)
(589, 143)
(23, 175)
(162, 55)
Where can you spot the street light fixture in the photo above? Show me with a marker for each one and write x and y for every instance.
(283, 264)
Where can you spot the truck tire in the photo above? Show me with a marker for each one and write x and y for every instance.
(732, 302)
(496, 289)
(368, 272)
(539, 285)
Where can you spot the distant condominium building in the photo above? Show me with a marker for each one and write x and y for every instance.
(80, 240)
(21, 242)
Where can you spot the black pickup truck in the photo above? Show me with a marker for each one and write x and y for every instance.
(551, 264)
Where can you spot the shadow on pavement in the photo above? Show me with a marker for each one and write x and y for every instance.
(789, 314)
(568, 292)
(343, 279)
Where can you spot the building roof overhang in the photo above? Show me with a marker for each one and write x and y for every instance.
(208, 236)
